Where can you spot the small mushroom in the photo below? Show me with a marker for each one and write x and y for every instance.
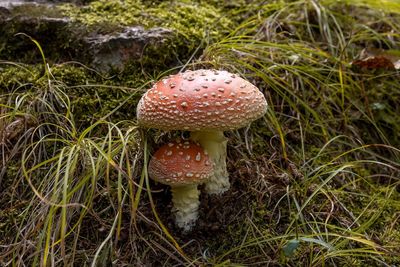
(182, 165)
(205, 102)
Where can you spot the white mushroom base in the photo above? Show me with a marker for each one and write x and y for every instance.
(186, 204)
(214, 143)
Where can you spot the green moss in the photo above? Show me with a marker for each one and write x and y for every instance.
(92, 96)
(72, 75)
(191, 19)
(14, 77)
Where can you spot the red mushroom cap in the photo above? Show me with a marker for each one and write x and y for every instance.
(180, 163)
(203, 100)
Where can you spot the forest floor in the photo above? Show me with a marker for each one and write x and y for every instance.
(315, 182)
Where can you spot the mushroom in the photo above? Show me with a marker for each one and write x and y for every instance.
(205, 102)
(182, 165)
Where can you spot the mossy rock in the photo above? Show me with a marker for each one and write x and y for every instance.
(111, 35)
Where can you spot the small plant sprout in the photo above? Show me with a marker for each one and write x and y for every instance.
(205, 102)
(182, 165)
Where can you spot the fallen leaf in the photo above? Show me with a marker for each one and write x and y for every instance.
(375, 62)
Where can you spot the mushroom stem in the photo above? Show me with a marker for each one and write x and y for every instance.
(186, 203)
(214, 142)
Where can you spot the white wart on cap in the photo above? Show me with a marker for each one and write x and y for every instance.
(201, 100)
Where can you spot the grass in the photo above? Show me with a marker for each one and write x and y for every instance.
(314, 183)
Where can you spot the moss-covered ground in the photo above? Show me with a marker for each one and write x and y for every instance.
(315, 182)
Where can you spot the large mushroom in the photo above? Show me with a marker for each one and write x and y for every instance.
(182, 165)
(205, 102)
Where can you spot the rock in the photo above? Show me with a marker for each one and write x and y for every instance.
(4, 12)
(117, 49)
(7, 4)
(64, 40)
(13, 3)
(51, 33)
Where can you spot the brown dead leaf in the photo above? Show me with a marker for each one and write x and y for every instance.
(375, 62)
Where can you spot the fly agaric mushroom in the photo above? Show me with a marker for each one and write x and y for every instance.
(182, 165)
(205, 102)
